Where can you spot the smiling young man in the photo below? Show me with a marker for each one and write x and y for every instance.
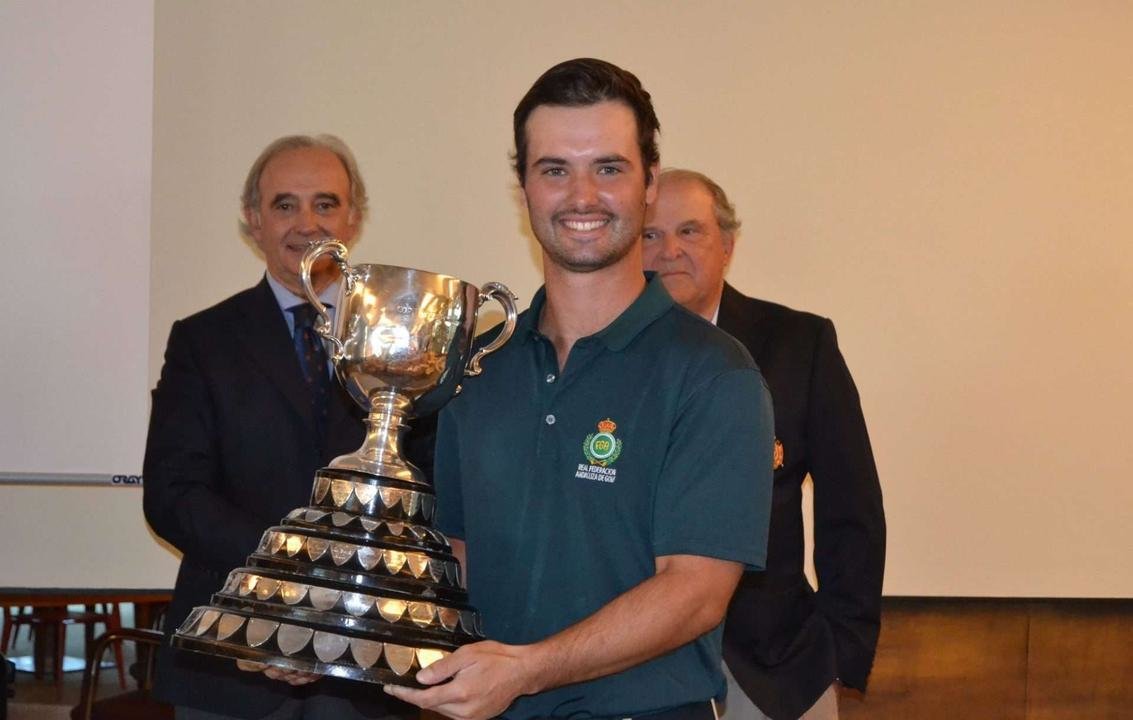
(241, 421)
(598, 503)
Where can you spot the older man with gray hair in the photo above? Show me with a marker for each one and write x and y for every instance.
(244, 413)
(786, 644)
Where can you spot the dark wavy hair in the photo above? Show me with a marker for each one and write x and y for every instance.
(587, 81)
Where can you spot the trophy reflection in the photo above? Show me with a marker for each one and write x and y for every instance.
(358, 584)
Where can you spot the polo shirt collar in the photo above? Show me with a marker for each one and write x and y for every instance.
(651, 304)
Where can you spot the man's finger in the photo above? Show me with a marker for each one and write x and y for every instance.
(441, 670)
(405, 694)
(291, 677)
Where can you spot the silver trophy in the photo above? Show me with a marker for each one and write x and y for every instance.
(358, 584)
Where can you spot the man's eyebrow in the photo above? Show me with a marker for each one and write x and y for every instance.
(292, 197)
(552, 161)
(611, 159)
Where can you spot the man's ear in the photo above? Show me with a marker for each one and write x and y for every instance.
(729, 241)
(252, 220)
(652, 175)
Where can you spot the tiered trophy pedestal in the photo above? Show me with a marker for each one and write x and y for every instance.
(359, 584)
(355, 585)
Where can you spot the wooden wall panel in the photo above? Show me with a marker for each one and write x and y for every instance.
(946, 659)
(1080, 661)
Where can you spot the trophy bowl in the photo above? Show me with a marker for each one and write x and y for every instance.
(358, 584)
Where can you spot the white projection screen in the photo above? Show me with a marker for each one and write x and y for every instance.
(952, 183)
(76, 109)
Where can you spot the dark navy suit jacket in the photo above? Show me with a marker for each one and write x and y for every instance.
(784, 642)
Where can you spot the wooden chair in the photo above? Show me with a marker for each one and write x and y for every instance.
(111, 619)
(49, 626)
(135, 704)
(12, 621)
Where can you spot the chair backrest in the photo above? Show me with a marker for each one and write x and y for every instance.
(104, 641)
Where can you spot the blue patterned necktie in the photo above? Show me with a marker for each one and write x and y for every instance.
(312, 360)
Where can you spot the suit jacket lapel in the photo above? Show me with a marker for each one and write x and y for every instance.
(744, 319)
(266, 342)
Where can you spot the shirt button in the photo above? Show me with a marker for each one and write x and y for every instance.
(550, 419)
(550, 377)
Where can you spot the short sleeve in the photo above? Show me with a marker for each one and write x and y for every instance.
(714, 493)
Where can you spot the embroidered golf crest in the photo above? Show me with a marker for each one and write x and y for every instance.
(601, 450)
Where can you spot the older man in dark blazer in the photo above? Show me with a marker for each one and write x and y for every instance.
(244, 413)
(786, 644)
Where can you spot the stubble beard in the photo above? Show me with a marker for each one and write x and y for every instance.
(619, 242)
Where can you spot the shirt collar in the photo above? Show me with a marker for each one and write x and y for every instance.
(651, 304)
(288, 299)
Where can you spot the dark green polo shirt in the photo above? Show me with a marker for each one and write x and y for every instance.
(656, 439)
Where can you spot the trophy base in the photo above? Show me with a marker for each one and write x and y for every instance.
(321, 653)
(356, 585)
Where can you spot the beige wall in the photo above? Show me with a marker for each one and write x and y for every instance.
(76, 105)
(950, 182)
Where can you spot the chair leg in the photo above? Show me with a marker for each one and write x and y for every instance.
(114, 622)
(9, 626)
(60, 648)
(88, 637)
(40, 646)
(26, 614)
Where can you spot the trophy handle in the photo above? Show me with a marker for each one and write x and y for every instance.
(498, 292)
(313, 253)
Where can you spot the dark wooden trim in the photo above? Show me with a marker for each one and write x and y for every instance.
(52, 597)
(1000, 658)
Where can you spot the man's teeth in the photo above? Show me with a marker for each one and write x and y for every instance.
(584, 226)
